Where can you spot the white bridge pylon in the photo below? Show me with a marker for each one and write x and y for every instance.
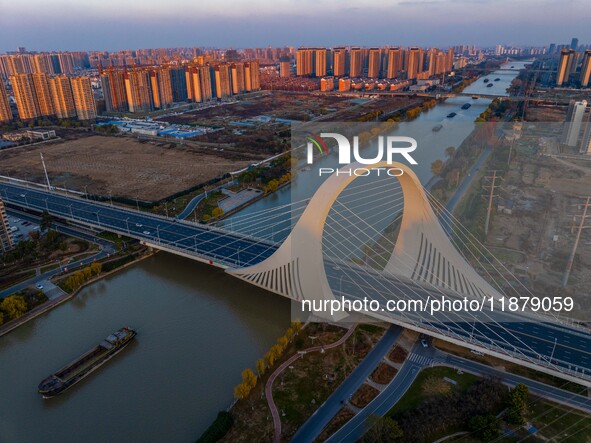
(422, 253)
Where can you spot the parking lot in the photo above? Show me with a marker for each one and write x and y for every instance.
(21, 229)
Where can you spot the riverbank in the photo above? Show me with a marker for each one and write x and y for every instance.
(50, 304)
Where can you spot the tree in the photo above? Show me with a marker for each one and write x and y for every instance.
(517, 404)
(217, 212)
(283, 342)
(437, 167)
(249, 378)
(261, 366)
(96, 268)
(14, 306)
(382, 430)
(241, 391)
(269, 358)
(450, 151)
(46, 221)
(486, 428)
(272, 186)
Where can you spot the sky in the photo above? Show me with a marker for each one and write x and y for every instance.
(44, 25)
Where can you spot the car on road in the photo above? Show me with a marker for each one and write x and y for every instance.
(23, 195)
(424, 343)
(146, 232)
(139, 225)
(39, 286)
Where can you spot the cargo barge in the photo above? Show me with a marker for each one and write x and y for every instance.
(72, 373)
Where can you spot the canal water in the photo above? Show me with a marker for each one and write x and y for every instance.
(197, 329)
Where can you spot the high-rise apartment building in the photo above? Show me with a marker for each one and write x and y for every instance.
(374, 66)
(24, 94)
(585, 74)
(113, 83)
(66, 62)
(356, 63)
(83, 98)
(161, 87)
(178, 83)
(5, 111)
(565, 63)
(320, 62)
(251, 75)
(43, 94)
(62, 96)
(305, 61)
(238, 84)
(413, 62)
(340, 62)
(574, 121)
(395, 59)
(223, 83)
(6, 238)
(284, 68)
(138, 90)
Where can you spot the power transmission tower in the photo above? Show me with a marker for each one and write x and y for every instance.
(491, 195)
(571, 258)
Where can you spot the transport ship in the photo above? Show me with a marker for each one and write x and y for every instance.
(77, 370)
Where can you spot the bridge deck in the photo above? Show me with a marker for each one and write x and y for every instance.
(202, 242)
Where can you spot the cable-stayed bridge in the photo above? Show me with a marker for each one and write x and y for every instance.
(331, 250)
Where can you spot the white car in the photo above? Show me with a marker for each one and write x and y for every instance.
(146, 232)
(39, 287)
(424, 343)
(139, 225)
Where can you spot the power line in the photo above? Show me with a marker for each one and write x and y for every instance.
(493, 185)
(571, 258)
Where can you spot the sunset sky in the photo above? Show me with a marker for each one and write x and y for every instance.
(115, 24)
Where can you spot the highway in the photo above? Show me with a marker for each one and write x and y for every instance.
(314, 425)
(379, 406)
(534, 339)
(203, 242)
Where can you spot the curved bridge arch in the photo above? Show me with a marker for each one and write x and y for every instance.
(422, 253)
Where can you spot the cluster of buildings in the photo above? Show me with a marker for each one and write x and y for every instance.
(376, 63)
(577, 130)
(574, 67)
(144, 89)
(23, 62)
(41, 95)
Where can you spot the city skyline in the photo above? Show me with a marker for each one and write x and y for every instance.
(229, 24)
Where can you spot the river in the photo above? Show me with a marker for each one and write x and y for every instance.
(197, 329)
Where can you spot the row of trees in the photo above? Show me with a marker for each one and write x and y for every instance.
(77, 279)
(249, 379)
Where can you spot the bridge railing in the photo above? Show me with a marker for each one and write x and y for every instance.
(79, 196)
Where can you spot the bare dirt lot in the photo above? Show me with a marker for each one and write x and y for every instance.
(121, 166)
(290, 106)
